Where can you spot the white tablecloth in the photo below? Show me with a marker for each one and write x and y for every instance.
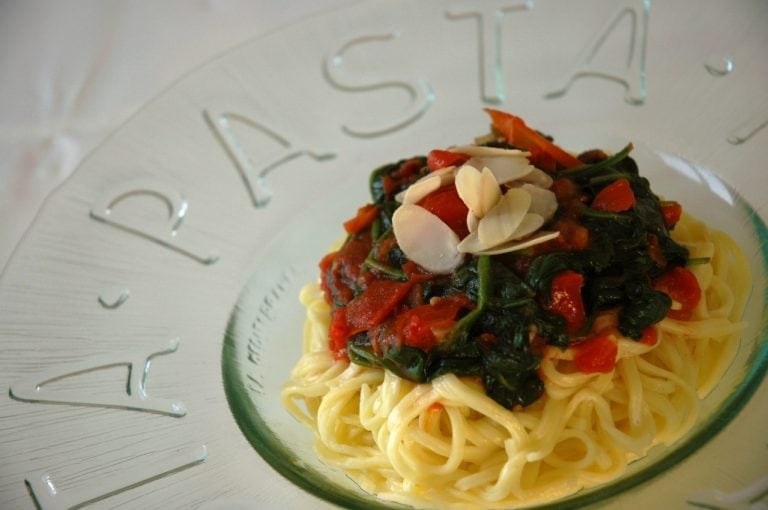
(71, 72)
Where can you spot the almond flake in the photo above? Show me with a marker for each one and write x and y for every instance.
(504, 218)
(479, 150)
(543, 201)
(478, 190)
(530, 224)
(471, 244)
(538, 178)
(540, 237)
(472, 221)
(425, 239)
(505, 169)
(426, 185)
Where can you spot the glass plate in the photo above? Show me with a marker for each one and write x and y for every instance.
(213, 205)
(261, 348)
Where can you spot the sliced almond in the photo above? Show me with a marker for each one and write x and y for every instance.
(504, 218)
(425, 239)
(543, 201)
(420, 189)
(472, 221)
(426, 185)
(530, 224)
(505, 169)
(538, 238)
(471, 244)
(479, 150)
(478, 190)
(538, 178)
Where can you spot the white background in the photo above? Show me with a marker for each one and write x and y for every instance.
(72, 72)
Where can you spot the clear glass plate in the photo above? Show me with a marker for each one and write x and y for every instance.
(178, 248)
(264, 332)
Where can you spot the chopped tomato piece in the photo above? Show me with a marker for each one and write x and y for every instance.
(416, 332)
(616, 197)
(363, 219)
(650, 336)
(338, 331)
(446, 204)
(438, 159)
(325, 266)
(672, 211)
(435, 408)
(564, 189)
(566, 299)
(375, 303)
(681, 285)
(341, 270)
(416, 273)
(596, 354)
(418, 325)
(542, 150)
(383, 247)
(407, 173)
(573, 237)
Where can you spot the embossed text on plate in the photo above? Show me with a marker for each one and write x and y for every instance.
(490, 16)
(113, 297)
(719, 65)
(264, 315)
(47, 495)
(748, 128)
(419, 92)
(632, 75)
(750, 497)
(37, 388)
(164, 231)
(253, 171)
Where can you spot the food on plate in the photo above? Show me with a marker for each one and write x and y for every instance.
(507, 323)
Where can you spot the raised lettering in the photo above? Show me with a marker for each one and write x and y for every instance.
(632, 74)
(420, 95)
(114, 297)
(490, 16)
(152, 466)
(37, 388)
(748, 129)
(163, 231)
(254, 171)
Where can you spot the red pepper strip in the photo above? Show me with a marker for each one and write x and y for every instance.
(566, 299)
(338, 333)
(671, 212)
(437, 159)
(682, 287)
(542, 150)
(375, 304)
(364, 217)
(418, 324)
(596, 354)
(616, 197)
(446, 204)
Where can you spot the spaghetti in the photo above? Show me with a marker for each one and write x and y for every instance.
(448, 443)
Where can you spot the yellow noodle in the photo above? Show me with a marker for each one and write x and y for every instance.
(446, 444)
